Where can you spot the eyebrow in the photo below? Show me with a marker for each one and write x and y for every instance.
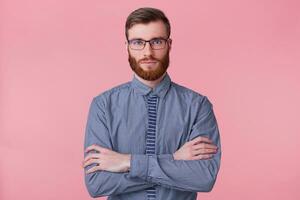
(150, 39)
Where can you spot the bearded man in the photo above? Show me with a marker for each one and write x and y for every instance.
(150, 138)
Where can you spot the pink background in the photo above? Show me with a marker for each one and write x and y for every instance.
(56, 55)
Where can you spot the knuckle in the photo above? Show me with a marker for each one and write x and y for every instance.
(187, 144)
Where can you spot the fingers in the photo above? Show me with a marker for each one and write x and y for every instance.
(91, 161)
(93, 158)
(93, 169)
(204, 151)
(204, 146)
(90, 156)
(201, 139)
(202, 156)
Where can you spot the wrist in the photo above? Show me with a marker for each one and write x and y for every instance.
(174, 156)
(127, 162)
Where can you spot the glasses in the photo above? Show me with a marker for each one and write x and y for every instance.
(155, 43)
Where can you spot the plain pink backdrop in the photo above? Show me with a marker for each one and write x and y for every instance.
(56, 55)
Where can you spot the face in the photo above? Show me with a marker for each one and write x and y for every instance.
(147, 63)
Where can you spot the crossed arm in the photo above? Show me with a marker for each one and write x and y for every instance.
(136, 172)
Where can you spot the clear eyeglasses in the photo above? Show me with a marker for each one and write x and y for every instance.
(155, 43)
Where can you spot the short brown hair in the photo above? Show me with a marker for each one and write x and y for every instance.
(144, 16)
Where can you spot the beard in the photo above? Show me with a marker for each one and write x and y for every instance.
(150, 75)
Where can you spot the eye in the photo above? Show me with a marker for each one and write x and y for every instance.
(137, 42)
(157, 41)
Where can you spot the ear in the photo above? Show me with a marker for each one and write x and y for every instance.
(126, 45)
(170, 44)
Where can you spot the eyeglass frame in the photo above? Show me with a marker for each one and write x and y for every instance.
(166, 40)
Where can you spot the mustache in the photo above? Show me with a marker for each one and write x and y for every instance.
(148, 59)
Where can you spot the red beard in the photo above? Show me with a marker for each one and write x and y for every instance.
(150, 75)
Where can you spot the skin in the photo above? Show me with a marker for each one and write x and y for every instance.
(108, 160)
(149, 74)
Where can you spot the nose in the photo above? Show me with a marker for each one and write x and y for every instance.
(147, 51)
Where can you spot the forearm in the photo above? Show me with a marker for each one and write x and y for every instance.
(104, 183)
(186, 175)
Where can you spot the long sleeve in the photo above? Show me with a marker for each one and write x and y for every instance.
(105, 183)
(185, 175)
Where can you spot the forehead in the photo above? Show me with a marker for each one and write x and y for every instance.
(148, 31)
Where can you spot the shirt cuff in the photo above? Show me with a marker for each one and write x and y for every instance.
(139, 166)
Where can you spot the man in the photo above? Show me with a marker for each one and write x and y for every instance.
(150, 138)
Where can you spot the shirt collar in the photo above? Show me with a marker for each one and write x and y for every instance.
(160, 90)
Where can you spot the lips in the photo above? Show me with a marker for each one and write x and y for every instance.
(148, 62)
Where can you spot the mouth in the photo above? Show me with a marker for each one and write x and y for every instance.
(148, 65)
(148, 62)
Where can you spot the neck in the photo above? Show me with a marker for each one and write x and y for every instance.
(151, 84)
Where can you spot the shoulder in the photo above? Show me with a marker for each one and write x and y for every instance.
(197, 102)
(115, 91)
(193, 96)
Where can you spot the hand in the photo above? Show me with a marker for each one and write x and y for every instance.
(106, 159)
(196, 149)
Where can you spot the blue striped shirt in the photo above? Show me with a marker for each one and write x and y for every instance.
(122, 119)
